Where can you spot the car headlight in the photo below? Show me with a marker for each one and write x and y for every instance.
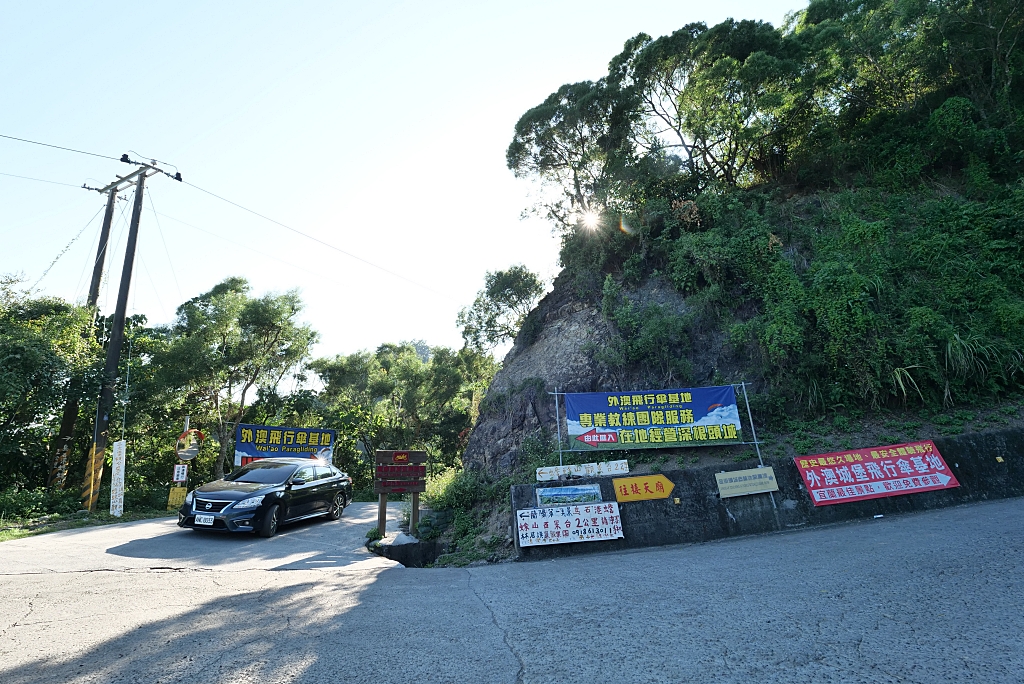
(251, 502)
(189, 497)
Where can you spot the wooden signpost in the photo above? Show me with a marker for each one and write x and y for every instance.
(399, 472)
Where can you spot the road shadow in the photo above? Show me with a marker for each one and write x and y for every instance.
(307, 544)
(349, 626)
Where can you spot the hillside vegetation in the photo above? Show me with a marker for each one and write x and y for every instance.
(830, 210)
(837, 203)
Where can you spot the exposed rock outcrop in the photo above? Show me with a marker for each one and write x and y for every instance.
(554, 350)
(560, 348)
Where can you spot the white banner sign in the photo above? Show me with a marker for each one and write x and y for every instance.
(117, 480)
(568, 524)
(551, 473)
(180, 473)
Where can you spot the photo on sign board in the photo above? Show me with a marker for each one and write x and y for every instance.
(560, 496)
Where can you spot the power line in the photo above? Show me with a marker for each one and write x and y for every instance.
(235, 243)
(66, 248)
(160, 230)
(110, 263)
(242, 245)
(246, 209)
(58, 147)
(318, 240)
(40, 180)
(85, 266)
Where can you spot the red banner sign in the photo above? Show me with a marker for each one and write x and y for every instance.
(846, 476)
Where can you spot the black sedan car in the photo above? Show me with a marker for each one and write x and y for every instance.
(264, 494)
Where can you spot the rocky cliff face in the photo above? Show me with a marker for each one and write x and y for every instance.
(555, 350)
(559, 348)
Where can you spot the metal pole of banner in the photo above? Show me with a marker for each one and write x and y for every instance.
(558, 425)
(750, 417)
(757, 445)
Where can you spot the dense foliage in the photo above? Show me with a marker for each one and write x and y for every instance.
(839, 200)
(498, 312)
(228, 357)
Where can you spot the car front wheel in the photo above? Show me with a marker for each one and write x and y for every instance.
(269, 526)
(337, 506)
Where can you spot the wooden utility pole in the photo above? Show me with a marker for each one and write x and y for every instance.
(94, 464)
(59, 469)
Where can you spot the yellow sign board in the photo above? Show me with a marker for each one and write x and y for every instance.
(743, 482)
(176, 498)
(642, 488)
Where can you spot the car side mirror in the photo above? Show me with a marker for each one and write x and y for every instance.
(297, 481)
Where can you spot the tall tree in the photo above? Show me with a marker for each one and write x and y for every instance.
(498, 312)
(226, 345)
(569, 142)
(41, 347)
(393, 398)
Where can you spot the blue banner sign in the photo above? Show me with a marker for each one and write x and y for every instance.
(265, 441)
(653, 419)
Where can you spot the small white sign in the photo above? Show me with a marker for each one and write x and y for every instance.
(180, 473)
(568, 524)
(117, 480)
(602, 469)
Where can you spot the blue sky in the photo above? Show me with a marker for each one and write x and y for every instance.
(379, 128)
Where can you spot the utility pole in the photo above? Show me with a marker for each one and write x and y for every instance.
(97, 453)
(59, 469)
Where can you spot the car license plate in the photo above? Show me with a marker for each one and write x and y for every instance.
(204, 519)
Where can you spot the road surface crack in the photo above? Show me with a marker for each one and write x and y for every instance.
(19, 621)
(504, 632)
(155, 568)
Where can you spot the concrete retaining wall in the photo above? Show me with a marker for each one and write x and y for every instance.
(703, 516)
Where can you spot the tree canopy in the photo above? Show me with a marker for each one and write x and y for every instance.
(886, 89)
(836, 201)
(227, 358)
(500, 308)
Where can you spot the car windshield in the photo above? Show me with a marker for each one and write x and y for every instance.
(262, 473)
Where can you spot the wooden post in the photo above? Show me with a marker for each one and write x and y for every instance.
(382, 514)
(414, 515)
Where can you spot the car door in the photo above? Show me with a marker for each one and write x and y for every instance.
(324, 490)
(301, 497)
(330, 484)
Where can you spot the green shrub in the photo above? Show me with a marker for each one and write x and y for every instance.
(456, 489)
(28, 503)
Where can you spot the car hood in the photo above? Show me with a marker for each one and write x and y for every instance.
(231, 491)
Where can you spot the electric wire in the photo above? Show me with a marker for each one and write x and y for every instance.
(318, 240)
(160, 231)
(58, 147)
(105, 283)
(85, 264)
(97, 252)
(155, 161)
(40, 180)
(149, 276)
(254, 213)
(64, 251)
(235, 243)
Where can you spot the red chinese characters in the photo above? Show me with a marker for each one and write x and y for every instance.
(861, 474)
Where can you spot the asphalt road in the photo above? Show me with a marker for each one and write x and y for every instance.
(931, 597)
